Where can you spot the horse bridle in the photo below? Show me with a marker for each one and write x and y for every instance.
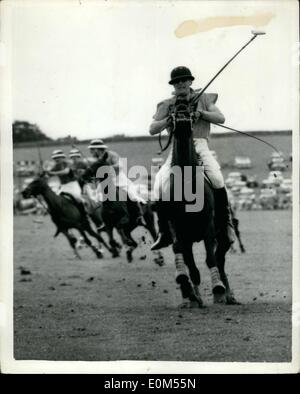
(181, 113)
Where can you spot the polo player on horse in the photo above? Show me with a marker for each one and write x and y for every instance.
(68, 181)
(78, 164)
(105, 157)
(205, 111)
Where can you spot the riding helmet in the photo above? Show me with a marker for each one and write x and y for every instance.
(97, 144)
(74, 153)
(58, 153)
(180, 73)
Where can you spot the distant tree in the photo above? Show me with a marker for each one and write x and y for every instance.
(27, 132)
(118, 137)
(67, 140)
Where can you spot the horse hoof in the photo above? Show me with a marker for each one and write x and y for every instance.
(219, 299)
(197, 296)
(219, 289)
(129, 256)
(159, 261)
(196, 304)
(184, 305)
(231, 300)
(115, 253)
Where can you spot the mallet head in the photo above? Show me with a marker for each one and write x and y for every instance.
(258, 32)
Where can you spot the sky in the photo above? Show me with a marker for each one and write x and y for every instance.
(96, 69)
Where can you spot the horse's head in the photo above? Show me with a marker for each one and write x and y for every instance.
(36, 187)
(182, 118)
(184, 153)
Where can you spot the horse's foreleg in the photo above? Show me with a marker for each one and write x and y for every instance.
(220, 257)
(99, 237)
(150, 225)
(113, 243)
(194, 274)
(98, 252)
(72, 241)
(158, 257)
(182, 277)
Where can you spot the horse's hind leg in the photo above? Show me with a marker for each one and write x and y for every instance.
(72, 241)
(98, 252)
(220, 257)
(115, 246)
(194, 274)
(218, 287)
(91, 232)
(130, 244)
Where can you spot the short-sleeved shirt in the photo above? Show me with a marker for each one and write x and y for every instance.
(79, 167)
(66, 178)
(201, 128)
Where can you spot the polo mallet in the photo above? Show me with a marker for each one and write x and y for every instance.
(255, 34)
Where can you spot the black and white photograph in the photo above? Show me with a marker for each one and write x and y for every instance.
(149, 187)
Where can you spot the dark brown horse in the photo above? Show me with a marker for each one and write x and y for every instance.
(66, 214)
(189, 227)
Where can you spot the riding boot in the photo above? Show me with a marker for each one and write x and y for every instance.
(223, 215)
(82, 209)
(137, 211)
(164, 238)
(140, 220)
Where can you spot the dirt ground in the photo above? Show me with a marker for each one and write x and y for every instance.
(109, 309)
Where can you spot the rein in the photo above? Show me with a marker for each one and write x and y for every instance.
(163, 149)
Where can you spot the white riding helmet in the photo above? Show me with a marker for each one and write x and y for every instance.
(97, 144)
(58, 153)
(74, 153)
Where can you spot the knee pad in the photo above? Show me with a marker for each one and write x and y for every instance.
(217, 181)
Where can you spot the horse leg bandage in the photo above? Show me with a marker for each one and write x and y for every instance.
(180, 265)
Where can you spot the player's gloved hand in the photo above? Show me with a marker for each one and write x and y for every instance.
(197, 115)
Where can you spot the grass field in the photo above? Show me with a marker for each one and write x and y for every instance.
(108, 309)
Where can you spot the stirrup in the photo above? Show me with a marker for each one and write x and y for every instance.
(101, 228)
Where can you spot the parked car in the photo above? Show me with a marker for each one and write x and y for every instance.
(242, 162)
(268, 199)
(252, 181)
(232, 178)
(276, 177)
(277, 163)
(246, 198)
(286, 186)
(25, 168)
